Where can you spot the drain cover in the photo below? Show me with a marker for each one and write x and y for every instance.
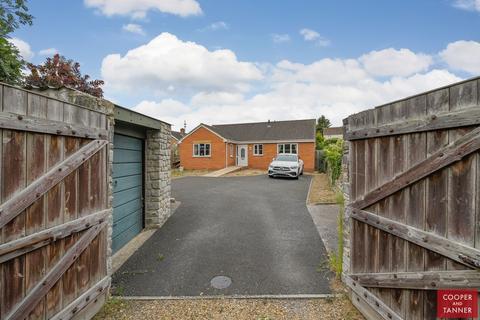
(221, 282)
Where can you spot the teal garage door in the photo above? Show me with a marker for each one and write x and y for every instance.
(127, 189)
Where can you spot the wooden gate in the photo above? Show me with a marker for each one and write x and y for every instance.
(54, 207)
(414, 174)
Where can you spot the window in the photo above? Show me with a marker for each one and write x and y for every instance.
(201, 150)
(258, 149)
(231, 150)
(287, 148)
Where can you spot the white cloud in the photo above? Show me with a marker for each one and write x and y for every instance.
(219, 90)
(309, 34)
(23, 47)
(48, 52)
(138, 8)
(167, 61)
(392, 62)
(472, 5)
(133, 28)
(280, 38)
(219, 25)
(312, 35)
(463, 55)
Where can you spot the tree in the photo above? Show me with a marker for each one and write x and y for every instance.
(11, 64)
(13, 13)
(323, 123)
(57, 72)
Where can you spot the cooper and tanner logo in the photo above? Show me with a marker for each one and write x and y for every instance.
(457, 303)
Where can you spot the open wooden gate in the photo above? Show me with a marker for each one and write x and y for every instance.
(414, 174)
(54, 207)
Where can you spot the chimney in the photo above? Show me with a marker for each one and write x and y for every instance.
(182, 131)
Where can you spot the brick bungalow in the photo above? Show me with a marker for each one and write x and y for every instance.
(251, 145)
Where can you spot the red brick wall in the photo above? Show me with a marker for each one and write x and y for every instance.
(215, 161)
(306, 151)
(231, 160)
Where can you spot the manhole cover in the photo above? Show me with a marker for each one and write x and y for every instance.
(221, 282)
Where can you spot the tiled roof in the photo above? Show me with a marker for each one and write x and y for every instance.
(267, 131)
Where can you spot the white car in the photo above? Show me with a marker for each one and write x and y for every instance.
(286, 165)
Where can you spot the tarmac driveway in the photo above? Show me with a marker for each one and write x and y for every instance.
(254, 230)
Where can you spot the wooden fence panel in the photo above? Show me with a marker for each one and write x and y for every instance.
(388, 142)
(31, 153)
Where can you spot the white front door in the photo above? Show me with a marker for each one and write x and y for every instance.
(242, 155)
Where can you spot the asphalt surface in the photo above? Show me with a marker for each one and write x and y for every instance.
(255, 230)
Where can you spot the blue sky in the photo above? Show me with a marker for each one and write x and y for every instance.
(230, 61)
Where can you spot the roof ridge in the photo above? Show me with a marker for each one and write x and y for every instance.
(260, 122)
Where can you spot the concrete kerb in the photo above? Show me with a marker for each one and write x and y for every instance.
(234, 297)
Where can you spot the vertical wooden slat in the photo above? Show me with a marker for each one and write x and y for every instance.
(84, 196)
(13, 180)
(55, 205)
(35, 214)
(397, 208)
(436, 195)
(95, 204)
(415, 208)
(461, 183)
(385, 163)
(70, 213)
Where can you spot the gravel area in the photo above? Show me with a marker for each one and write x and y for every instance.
(320, 191)
(238, 309)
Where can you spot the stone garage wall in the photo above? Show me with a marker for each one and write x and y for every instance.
(157, 177)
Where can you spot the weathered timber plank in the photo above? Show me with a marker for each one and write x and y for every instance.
(14, 174)
(376, 304)
(24, 308)
(84, 300)
(55, 211)
(444, 120)
(33, 124)
(26, 244)
(11, 208)
(84, 186)
(422, 280)
(461, 199)
(69, 290)
(456, 251)
(454, 152)
(35, 214)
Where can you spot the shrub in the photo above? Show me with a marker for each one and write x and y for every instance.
(333, 155)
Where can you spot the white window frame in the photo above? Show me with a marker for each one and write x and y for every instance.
(200, 156)
(256, 149)
(290, 147)
(231, 150)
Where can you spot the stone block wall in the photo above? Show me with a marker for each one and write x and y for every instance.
(345, 188)
(157, 177)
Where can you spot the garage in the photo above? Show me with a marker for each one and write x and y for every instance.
(140, 166)
(127, 189)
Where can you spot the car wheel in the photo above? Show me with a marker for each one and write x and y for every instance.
(271, 177)
(301, 172)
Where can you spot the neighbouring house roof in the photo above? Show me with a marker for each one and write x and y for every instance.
(290, 130)
(177, 135)
(333, 131)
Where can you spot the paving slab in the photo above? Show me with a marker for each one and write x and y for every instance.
(255, 231)
(222, 172)
(325, 217)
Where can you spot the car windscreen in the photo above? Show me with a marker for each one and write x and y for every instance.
(286, 157)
